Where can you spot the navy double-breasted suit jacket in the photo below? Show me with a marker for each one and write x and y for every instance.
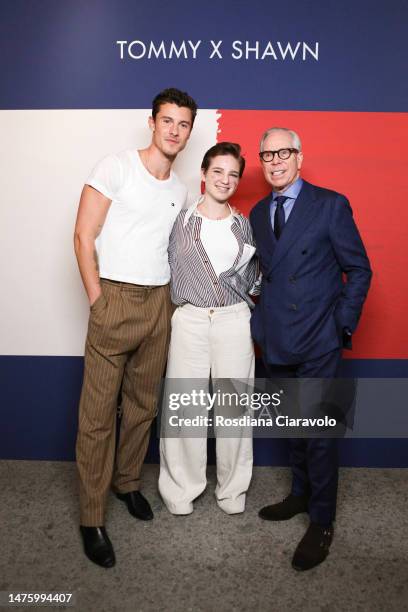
(314, 279)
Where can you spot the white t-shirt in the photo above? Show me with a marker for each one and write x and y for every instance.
(132, 246)
(219, 242)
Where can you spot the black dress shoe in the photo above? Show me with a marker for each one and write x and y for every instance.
(313, 548)
(98, 547)
(284, 510)
(137, 505)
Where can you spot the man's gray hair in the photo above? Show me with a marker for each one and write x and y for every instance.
(296, 142)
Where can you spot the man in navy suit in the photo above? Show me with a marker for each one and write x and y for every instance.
(316, 275)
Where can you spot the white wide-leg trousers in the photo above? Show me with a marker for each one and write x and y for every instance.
(204, 341)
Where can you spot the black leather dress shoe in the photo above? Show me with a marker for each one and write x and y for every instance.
(313, 548)
(284, 510)
(137, 505)
(98, 547)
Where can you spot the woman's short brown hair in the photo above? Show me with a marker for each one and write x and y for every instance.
(224, 148)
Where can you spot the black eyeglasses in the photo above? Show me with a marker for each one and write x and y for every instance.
(268, 156)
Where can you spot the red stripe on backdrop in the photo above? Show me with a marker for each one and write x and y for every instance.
(364, 156)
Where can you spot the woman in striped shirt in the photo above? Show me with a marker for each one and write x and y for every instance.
(213, 268)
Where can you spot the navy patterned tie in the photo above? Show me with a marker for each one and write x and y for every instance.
(279, 217)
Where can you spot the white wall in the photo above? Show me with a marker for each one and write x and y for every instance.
(45, 158)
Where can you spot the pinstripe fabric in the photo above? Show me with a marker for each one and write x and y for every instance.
(126, 345)
(193, 279)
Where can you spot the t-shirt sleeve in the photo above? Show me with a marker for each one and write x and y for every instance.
(106, 177)
(185, 198)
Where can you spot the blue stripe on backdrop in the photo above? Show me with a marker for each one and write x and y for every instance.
(64, 54)
(38, 418)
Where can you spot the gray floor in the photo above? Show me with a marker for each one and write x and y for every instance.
(208, 560)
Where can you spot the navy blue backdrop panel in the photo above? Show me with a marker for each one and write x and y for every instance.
(38, 418)
(64, 54)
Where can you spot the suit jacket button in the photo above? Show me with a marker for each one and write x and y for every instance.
(293, 306)
(292, 279)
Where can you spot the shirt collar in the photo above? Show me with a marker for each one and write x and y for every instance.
(292, 191)
(191, 210)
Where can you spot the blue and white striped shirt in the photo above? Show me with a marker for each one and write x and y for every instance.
(193, 279)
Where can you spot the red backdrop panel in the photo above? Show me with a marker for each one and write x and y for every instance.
(364, 156)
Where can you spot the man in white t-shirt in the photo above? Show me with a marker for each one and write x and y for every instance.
(126, 213)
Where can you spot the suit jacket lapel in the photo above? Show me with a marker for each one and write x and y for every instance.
(301, 216)
(266, 235)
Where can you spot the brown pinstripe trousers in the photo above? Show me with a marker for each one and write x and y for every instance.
(126, 345)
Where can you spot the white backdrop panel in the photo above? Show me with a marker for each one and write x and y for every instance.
(45, 157)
